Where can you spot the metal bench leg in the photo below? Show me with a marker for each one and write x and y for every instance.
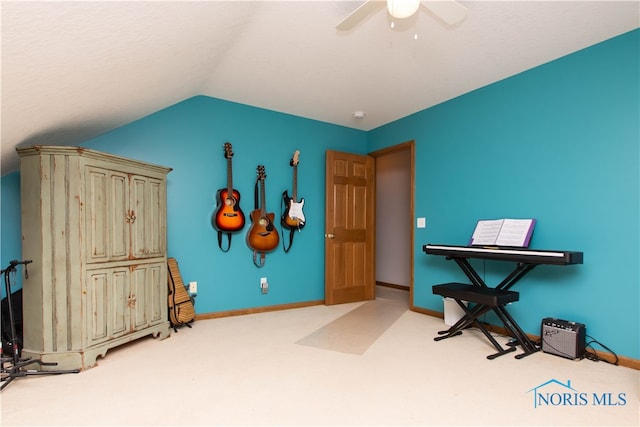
(487, 334)
(466, 321)
(512, 327)
(470, 318)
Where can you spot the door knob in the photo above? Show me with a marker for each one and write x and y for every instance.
(330, 235)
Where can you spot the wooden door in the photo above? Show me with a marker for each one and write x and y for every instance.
(349, 228)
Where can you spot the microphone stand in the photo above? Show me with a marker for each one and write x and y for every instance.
(14, 366)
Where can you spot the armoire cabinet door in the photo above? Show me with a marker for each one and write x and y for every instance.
(148, 301)
(108, 228)
(125, 216)
(108, 299)
(124, 299)
(148, 228)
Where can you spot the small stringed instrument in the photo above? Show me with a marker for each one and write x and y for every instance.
(263, 235)
(293, 217)
(228, 216)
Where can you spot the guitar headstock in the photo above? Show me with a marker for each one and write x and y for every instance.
(228, 151)
(261, 173)
(295, 158)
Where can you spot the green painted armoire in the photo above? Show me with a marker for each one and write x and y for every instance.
(94, 225)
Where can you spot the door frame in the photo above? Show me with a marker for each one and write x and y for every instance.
(409, 145)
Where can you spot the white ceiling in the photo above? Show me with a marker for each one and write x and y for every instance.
(74, 70)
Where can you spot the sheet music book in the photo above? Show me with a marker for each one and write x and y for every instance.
(503, 232)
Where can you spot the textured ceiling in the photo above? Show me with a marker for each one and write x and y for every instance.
(74, 70)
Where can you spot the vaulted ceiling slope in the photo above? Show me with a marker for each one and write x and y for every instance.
(74, 70)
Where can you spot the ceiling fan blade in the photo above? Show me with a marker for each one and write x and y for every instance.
(449, 11)
(358, 15)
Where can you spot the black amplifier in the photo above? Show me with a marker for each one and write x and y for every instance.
(563, 338)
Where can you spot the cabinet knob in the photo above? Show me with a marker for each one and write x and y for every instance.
(131, 216)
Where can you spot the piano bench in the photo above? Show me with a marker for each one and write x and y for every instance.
(489, 297)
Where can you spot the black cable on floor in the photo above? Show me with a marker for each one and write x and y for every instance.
(593, 356)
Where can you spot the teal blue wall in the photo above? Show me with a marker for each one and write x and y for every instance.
(189, 138)
(559, 143)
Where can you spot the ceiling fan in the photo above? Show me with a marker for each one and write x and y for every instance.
(449, 11)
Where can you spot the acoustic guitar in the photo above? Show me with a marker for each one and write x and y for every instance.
(228, 216)
(293, 217)
(263, 235)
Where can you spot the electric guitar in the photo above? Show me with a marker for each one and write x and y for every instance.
(263, 235)
(293, 217)
(228, 216)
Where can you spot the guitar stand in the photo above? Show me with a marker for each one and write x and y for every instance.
(14, 366)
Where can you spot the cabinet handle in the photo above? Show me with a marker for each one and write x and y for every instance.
(131, 216)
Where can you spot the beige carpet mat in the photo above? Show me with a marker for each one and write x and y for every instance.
(357, 330)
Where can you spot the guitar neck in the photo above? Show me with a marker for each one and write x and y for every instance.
(295, 183)
(263, 208)
(229, 176)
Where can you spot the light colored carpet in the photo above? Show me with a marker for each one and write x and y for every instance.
(248, 370)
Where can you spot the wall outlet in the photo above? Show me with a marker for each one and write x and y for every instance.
(193, 287)
(264, 285)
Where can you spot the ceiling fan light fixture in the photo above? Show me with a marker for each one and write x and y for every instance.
(402, 8)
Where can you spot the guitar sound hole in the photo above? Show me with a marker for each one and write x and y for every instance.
(229, 202)
(263, 222)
